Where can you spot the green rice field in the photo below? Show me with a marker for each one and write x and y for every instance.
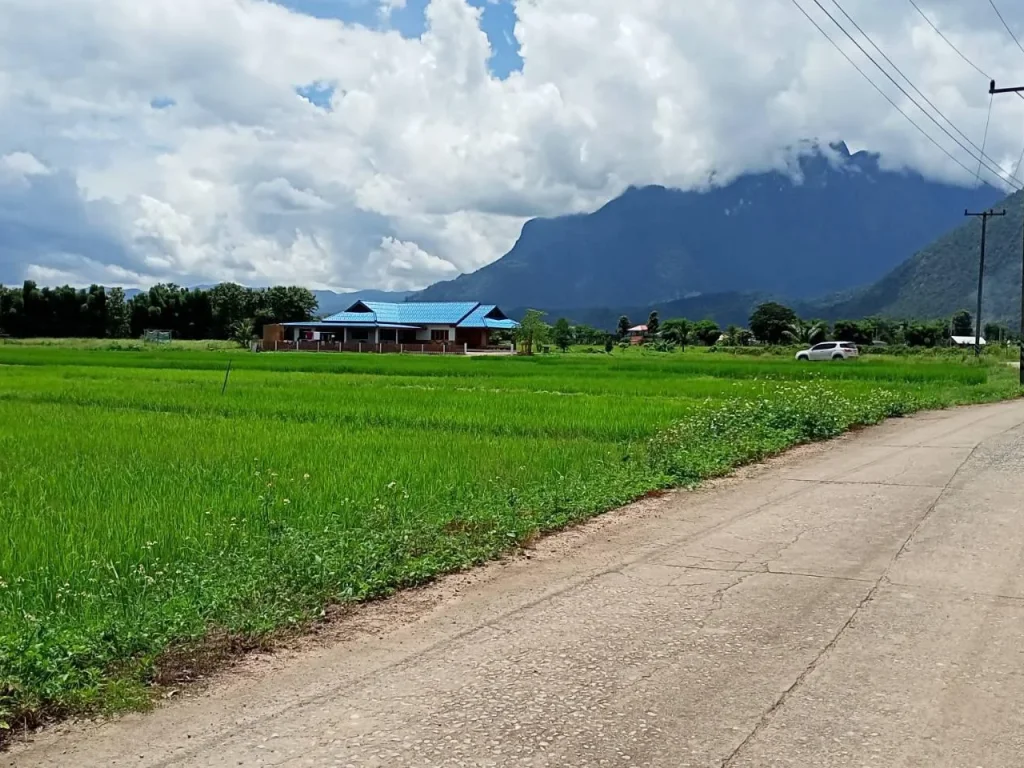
(144, 510)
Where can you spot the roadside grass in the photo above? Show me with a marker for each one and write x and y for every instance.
(145, 512)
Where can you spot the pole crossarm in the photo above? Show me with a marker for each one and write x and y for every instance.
(993, 90)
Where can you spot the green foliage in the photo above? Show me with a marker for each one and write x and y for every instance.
(609, 344)
(962, 323)
(242, 332)
(805, 334)
(586, 334)
(653, 324)
(532, 331)
(63, 312)
(624, 326)
(142, 508)
(995, 332)
(706, 332)
(770, 321)
(860, 332)
(562, 334)
(677, 331)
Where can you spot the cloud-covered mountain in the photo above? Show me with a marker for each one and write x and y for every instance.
(834, 221)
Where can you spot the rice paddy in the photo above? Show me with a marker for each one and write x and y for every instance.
(143, 508)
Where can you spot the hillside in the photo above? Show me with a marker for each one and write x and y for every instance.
(841, 223)
(943, 277)
(724, 308)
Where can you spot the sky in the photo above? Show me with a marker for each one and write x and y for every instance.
(352, 144)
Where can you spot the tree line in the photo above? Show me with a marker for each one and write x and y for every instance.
(770, 323)
(221, 312)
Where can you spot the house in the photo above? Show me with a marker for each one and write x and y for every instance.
(637, 334)
(966, 341)
(468, 325)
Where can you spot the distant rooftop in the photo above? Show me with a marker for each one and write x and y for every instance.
(413, 314)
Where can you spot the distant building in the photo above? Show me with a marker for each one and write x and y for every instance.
(637, 333)
(965, 341)
(462, 324)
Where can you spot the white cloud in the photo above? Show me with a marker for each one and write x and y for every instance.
(18, 167)
(398, 266)
(425, 163)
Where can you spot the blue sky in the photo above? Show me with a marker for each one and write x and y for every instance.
(498, 22)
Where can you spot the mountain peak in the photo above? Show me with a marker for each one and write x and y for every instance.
(822, 230)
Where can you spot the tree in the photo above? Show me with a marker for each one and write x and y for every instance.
(653, 324)
(706, 332)
(857, 331)
(677, 331)
(743, 338)
(243, 331)
(624, 326)
(917, 334)
(587, 334)
(962, 323)
(769, 322)
(609, 344)
(117, 315)
(805, 333)
(995, 332)
(532, 331)
(561, 334)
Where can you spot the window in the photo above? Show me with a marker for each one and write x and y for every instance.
(359, 334)
(439, 334)
(848, 345)
(822, 347)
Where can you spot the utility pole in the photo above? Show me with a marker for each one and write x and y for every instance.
(985, 216)
(992, 91)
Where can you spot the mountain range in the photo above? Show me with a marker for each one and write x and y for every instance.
(831, 222)
(943, 277)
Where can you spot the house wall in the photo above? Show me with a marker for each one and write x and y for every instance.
(424, 334)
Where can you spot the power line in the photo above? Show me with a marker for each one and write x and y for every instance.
(996, 9)
(997, 173)
(950, 43)
(984, 141)
(938, 31)
(917, 90)
(878, 88)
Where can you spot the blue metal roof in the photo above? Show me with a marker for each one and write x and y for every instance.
(425, 312)
(464, 314)
(351, 317)
(475, 319)
(348, 324)
(500, 325)
(479, 319)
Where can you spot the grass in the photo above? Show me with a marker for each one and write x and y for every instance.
(145, 511)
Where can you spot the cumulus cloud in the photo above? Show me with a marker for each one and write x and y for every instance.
(202, 140)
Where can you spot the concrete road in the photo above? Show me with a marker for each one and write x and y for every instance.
(855, 604)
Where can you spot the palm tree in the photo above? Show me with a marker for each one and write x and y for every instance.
(804, 333)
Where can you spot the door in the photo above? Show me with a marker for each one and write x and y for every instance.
(822, 351)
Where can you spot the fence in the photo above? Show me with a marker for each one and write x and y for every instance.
(425, 348)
